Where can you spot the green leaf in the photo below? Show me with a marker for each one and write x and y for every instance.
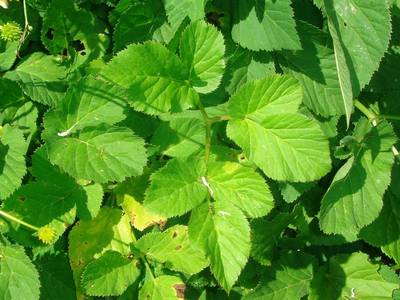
(89, 103)
(110, 230)
(350, 276)
(241, 186)
(138, 23)
(181, 137)
(10, 92)
(202, 50)
(67, 26)
(291, 191)
(164, 287)
(13, 148)
(385, 230)
(155, 78)
(354, 198)
(315, 68)
(265, 25)
(284, 144)
(55, 277)
(266, 235)
(22, 114)
(244, 66)
(223, 232)
(89, 207)
(360, 37)
(41, 77)
(176, 188)
(173, 248)
(19, 278)
(8, 55)
(50, 200)
(109, 275)
(102, 153)
(291, 280)
(178, 10)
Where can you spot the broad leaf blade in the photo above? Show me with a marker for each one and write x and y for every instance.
(202, 50)
(218, 229)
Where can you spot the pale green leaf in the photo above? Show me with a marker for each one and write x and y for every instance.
(223, 232)
(19, 278)
(178, 10)
(164, 287)
(176, 188)
(202, 50)
(361, 32)
(13, 148)
(241, 186)
(265, 25)
(88, 240)
(291, 280)
(180, 137)
(315, 68)
(173, 248)
(100, 153)
(354, 198)
(41, 78)
(109, 275)
(384, 232)
(8, 54)
(284, 144)
(350, 277)
(89, 103)
(155, 78)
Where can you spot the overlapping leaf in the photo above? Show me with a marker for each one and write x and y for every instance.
(223, 232)
(354, 198)
(283, 143)
(265, 25)
(13, 148)
(155, 78)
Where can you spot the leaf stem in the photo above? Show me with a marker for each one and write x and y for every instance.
(15, 219)
(27, 27)
(390, 117)
(361, 107)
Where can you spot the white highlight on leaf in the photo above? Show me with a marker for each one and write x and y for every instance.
(395, 151)
(223, 213)
(353, 293)
(205, 182)
(66, 132)
(374, 122)
(4, 3)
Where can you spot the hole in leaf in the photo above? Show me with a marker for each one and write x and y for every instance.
(50, 34)
(78, 45)
(174, 235)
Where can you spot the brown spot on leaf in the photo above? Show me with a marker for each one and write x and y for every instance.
(180, 290)
(22, 198)
(178, 247)
(174, 235)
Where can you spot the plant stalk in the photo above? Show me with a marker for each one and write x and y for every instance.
(15, 219)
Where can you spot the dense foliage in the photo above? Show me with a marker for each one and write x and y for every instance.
(199, 149)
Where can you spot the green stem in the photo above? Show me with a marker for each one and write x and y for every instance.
(390, 117)
(27, 28)
(12, 218)
(361, 107)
